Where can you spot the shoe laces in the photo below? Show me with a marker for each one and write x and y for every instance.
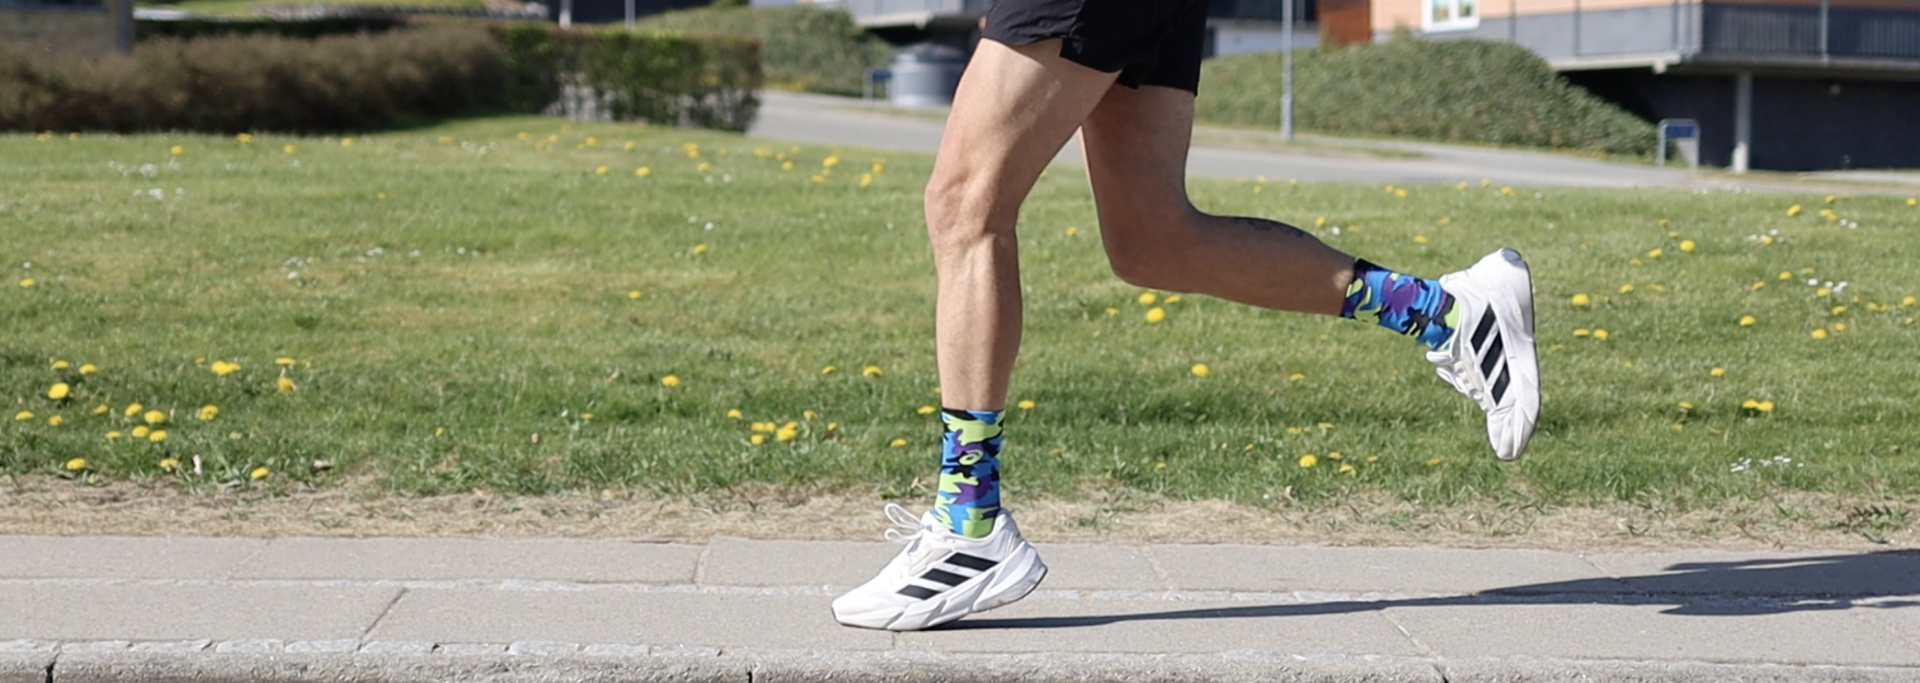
(904, 520)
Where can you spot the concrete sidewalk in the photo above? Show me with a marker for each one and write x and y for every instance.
(308, 609)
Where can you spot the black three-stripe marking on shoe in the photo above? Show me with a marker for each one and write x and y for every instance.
(945, 578)
(1492, 349)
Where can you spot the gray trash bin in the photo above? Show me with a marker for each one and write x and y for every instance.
(925, 75)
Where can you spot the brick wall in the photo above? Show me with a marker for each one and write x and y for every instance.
(68, 30)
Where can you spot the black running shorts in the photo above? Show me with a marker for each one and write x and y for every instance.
(1149, 42)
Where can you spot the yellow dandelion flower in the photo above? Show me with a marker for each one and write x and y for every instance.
(1906, 301)
(1346, 468)
(1111, 311)
(1626, 289)
(27, 283)
(1506, 190)
(224, 368)
(1823, 292)
(1419, 239)
(448, 141)
(827, 370)
(1819, 333)
(1147, 298)
(1026, 404)
(734, 414)
(1309, 460)
(703, 167)
(1581, 300)
(643, 172)
(600, 170)
(88, 368)
(1156, 314)
(59, 391)
(209, 411)
(1793, 210)
(1748, 321)
(154, 417)
(346, 142)
(1319, 221)
(244, 138)
(898, 443)
(1600, 334)
(786, 433)
(1295, 377)
(1201, 370)
(1373, 458)
(76, 464)
(134, 409)
(866, 179)
(56, 421)
(1786, 275)
(259, 473)
(1654, 253)
(1684, 405)
(1837, 310)
(1582, 332)
(289, 149)
(1839, 327)
(670, 381)
(1071, 231)
(140, 432)
(1764, 406)
(1400, 192)
(177, 150)
(763, 426)
(1173, 299)
(1913, 201)
(786, 165)
(157, 435)
(1433, 461)
(757, 439)
(699, 249)
(926, 410)
(1296, 431)
(169, 464)
(628, 147)
(870, 371)
(808, 415)
(1687, 245)
(113, 434)
(635, 294)
(100, 410)
(283, 361)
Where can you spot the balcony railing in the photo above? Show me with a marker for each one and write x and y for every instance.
(1836, 31)
(922, 12)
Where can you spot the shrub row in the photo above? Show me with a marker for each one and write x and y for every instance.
(805, 48)
(706, 81)
(210, 27)
(339, 83)
(1462, 90)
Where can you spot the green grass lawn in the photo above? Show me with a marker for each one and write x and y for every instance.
(477, 305)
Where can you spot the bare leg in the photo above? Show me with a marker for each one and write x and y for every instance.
(1136, 148)
(1015, 108)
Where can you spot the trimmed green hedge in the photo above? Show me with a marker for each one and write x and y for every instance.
(1459, 90)
(340, 83)
(706, 81)
(236, 84)
(212, 27)
(805, 48)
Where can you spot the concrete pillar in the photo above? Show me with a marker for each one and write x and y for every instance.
(1742, 120)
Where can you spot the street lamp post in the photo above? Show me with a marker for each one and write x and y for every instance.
(1286, 71)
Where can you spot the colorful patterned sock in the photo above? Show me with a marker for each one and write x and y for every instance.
(969, 495)
(1412, 306)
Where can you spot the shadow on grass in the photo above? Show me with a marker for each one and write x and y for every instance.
(1711, 589)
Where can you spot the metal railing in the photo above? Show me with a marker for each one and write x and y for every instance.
(1822, 30)
(865, 12)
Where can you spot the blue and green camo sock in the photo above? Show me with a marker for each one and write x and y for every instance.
(1412, 306)
(969, 495)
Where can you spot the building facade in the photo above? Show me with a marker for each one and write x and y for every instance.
(68, 27)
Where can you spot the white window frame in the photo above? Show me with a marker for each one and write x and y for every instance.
(1455, 22)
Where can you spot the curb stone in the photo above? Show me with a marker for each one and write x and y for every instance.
(781, 666)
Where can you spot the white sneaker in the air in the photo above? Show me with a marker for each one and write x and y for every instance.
(941, 576)
(1491, 357)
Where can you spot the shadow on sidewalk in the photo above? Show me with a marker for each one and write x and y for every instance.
(1739, 588)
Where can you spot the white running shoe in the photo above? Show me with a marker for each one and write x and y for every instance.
(941, 576)
(1491, 357)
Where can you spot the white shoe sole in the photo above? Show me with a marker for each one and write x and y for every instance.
(1509, 423)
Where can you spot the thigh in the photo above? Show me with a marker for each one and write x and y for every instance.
(1014, 110)
(1135, 142)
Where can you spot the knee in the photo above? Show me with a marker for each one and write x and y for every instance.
(1147, 256)
(959, 212)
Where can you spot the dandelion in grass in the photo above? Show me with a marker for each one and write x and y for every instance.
(77, 465)
(169, 465)
(1582, 332)
(208, 412)
(283, 361)
(699, 249)
(1793, 210)
(1309, 460)
(600, 170)
(1295, 377)
(1419, 239)
(88, 368)
(670, 381)
(1111, 311)
(157, 435)
(1601, 334)
(1156, 314)
(809, 415)
(757, 439)
(1431, 462)
(59, 391)
(289, 149)
(1839, 327)
(627, 147)
(177, 150)
(1626, 289)
(1819, 333)
(1072, 231)
(259, 473)
(703, 167)
(734, 414)
(114, 435)
(1913, 201)
(1581, 300)
(140, 432)
(897, 443)
(346, 142)
(786, 165)
(101, 410)
(1717, 372)
(1748, 321)
(1654, 253)
(787, 432)
(870, 371)
(635, 294)
(1026, 404)
(244, 138)
(56, 421)
(866, 179)
(1687, 245)
(1906, 301)
(134, 409)
(643, 172)
(27, 283)
(1148, 298)
(1201, 370)
(224, 368)
(926, 410)
(154, 417)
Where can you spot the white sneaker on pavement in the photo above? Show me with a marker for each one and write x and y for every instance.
(942, 576)
(1491, 357)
